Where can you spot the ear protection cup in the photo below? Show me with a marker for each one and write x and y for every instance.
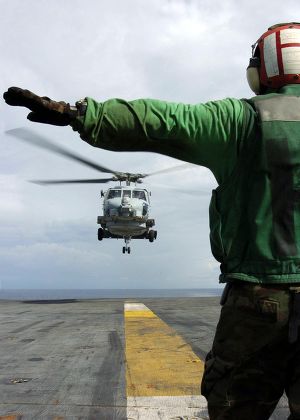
(253, 79)
(253, 75)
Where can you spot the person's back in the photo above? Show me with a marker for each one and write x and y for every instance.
(255, 213)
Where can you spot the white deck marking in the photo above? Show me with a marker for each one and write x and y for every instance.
(189, 407)
(135, 307)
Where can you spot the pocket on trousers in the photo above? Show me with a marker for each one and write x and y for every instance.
(215, 372)
(269, 309)
(205, 384)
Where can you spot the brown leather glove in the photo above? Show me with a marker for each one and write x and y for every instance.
(43, 109)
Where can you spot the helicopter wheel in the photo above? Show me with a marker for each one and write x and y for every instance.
(151, 235)
(128, 250)
(100, 234)
(155, 234)
(124, 250)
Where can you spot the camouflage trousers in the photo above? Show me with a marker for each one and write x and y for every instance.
(255, 356)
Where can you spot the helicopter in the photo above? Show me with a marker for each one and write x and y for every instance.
(126, 215)
(125, 207)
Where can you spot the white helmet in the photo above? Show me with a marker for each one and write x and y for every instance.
(275, 60)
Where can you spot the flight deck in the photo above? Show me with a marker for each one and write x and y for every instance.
(106, 359)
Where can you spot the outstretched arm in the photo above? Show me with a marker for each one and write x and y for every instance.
(204, 134)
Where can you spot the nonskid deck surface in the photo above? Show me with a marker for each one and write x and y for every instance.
(106, 359)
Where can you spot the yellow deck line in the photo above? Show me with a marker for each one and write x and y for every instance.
(139, 314)
(159, 361)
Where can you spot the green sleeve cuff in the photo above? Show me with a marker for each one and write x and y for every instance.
(85, 124)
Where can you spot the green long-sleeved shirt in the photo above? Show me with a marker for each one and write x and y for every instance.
(207, 134)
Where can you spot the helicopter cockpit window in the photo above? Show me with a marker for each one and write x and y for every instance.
(139, 194)
(127, 193)
(114, 194)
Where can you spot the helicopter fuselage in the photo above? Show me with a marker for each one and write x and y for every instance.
(125, 213)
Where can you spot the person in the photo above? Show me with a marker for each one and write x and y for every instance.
(252, 147)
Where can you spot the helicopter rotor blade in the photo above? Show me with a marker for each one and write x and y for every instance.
(35, 139)
(171, 169)
(72, 181)
(40, 141)
(202, 191)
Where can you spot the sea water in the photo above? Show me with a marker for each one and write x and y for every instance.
(25, 294)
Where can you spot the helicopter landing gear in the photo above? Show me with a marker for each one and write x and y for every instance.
(152, 235)
(126, 248)
(150, 223)
(100, 234)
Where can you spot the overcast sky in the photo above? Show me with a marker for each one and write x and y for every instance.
(177, 50)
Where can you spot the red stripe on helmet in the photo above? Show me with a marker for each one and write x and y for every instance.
(291, 44)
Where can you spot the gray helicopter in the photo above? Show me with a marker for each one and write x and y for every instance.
(125, 207)
(126, 215)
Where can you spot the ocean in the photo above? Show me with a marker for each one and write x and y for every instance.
(48, 294)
